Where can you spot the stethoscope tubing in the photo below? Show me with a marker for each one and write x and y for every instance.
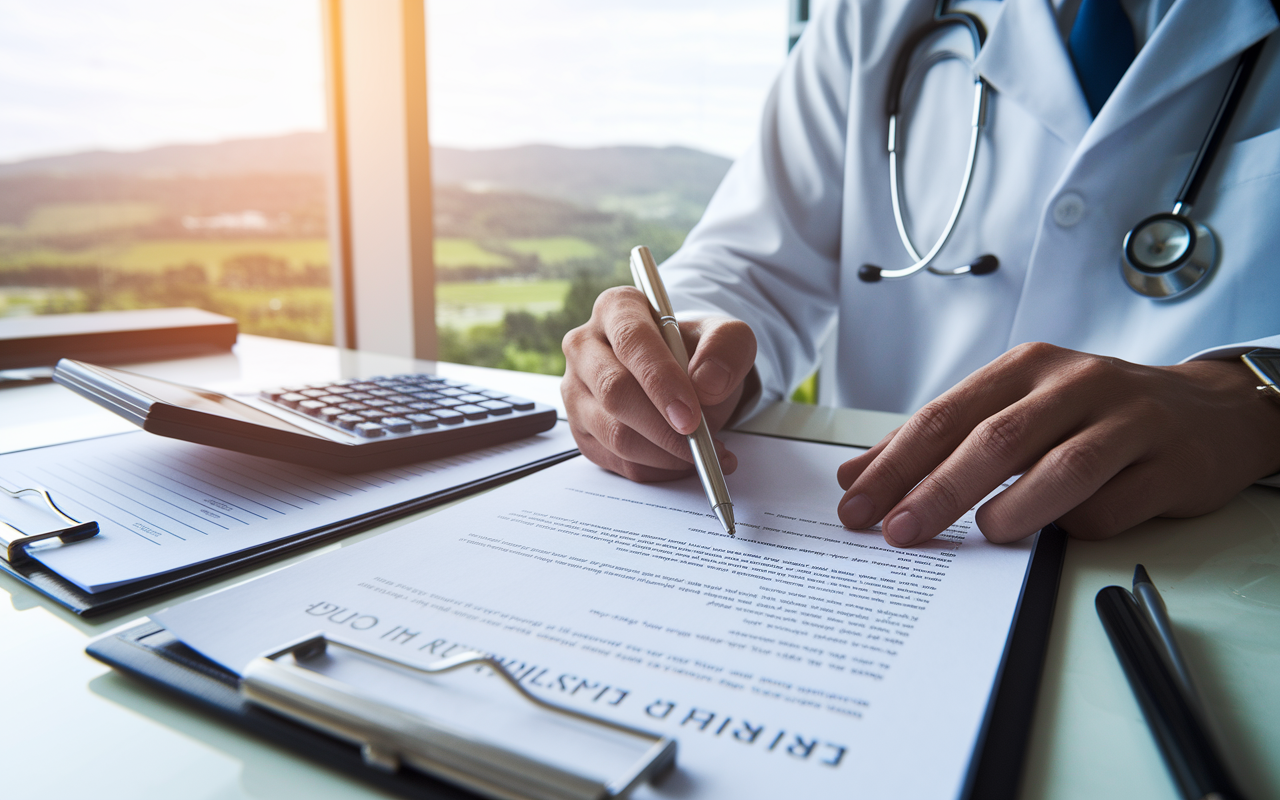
(975, 132)
(1158, 281)
(902, 69)
(1166, 281)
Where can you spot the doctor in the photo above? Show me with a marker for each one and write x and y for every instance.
(1116, 406)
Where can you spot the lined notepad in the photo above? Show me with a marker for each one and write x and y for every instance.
(164, 504)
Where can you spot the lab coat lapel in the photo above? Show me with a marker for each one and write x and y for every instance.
(1026, 61)
(1195, 37)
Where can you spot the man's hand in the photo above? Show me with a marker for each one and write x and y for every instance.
(1103, 445)
(631, 405)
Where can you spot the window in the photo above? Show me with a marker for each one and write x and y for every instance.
(165, 154)
(565, 132)
(161, 154)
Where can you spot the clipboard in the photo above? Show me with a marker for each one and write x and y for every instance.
(151, 654)
(55, 587)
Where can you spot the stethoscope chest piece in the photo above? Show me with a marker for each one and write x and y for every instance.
(1167, 255)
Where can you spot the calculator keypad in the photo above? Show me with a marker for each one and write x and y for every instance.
(397, 405)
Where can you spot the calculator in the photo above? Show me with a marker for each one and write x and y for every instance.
(352, 425)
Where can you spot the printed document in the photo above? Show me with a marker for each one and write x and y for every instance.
(799, 659)
(163, 504)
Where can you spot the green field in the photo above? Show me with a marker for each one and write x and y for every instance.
(70, 219)
(464, 305)
(155, 255)
(555, 249)
(506, 293)
(466, 253)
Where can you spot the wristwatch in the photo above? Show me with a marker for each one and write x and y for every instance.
(1265, 364)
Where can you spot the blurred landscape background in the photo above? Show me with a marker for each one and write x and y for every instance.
(526, 236)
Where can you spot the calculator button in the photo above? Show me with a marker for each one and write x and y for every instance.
(380, 392)
(472, 398)
(448, 402)
(291, 399)
(496, 407)
(472, 411)
(349, 421)
(330, 413)
(359, 396)
(422, 420)
(399, 399)
(427, 395)
(423, 406)
(451, 392)
(338, 388)
(331, 399)
(362, 387)
(396, 424)
(313, 393)
(377, 403)
(493, 394)
(520, 403)
(311, 407)
(448, 416)
(369, 430)
(354, 407)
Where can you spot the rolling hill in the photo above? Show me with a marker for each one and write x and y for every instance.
(664, 182)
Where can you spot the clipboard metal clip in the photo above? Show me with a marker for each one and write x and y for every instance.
(15, 542)
(389, 737)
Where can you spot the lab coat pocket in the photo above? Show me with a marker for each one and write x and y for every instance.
(1254, 159)
(1239, 204)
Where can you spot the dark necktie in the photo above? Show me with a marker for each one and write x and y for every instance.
(1101, 46)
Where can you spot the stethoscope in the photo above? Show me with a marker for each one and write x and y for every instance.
(1164, 255)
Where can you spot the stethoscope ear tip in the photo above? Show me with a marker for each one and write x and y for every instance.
(868, 273)
(984, 265)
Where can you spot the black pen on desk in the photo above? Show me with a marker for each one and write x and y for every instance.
(644, 271)
(1149, 599)
(1162, 686)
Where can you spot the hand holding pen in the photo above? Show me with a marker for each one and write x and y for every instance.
(644, 270)
(630, 404)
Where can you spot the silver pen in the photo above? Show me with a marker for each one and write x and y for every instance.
(644, 271)
(1149, 599)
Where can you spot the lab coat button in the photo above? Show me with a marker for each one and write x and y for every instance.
(1068, 210)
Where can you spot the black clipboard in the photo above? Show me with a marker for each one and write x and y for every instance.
(55, 587)
(151, 654)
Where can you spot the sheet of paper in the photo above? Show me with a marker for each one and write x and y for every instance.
(799, 658)
(163, 504)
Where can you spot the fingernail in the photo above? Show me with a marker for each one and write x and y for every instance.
(681, 417)
(902, 529)
(711, 378)
(857, 511)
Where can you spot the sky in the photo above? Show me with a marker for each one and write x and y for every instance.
(129, 74)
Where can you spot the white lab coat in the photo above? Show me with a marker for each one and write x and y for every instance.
(1053, 195)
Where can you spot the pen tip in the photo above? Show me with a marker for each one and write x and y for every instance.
(1140, 575)
(724, 513)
